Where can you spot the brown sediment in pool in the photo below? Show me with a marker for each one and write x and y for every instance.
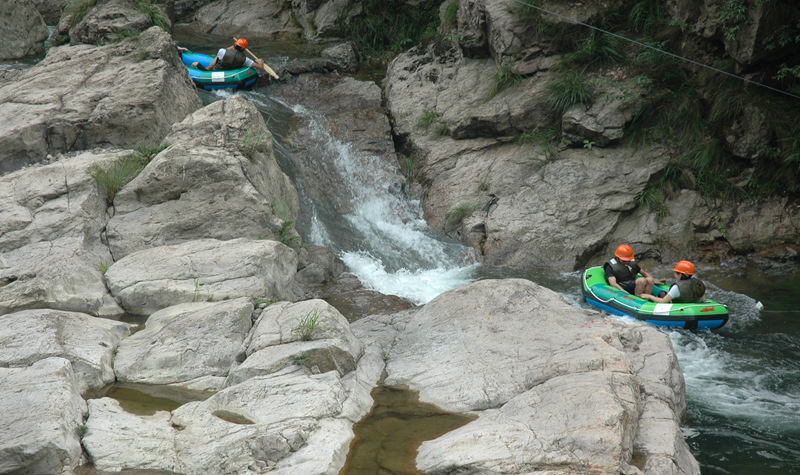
(387, 438)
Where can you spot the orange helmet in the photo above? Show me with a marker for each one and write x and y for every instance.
(624, 251)
(684, 267)
(242, 43)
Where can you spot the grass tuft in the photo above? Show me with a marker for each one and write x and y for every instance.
(567, 90)
(504, 78)
(309, 325)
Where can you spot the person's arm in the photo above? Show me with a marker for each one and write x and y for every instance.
(673, 293)
(611, 278)
(665, 299)
(647, 275)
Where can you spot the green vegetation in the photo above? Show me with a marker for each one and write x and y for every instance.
(150, 8)
(124, 35)
(101, 266)
(252, 143)
(386, 27)
(408, 166)
(734, 16)
(301, 359)
(454, 217)
(287, 234)
(450, 16)
(567, 90)
(258, 301)
(504, 78)
(309, 325)
(426, 118)
(600, 49)
(78, 9)
(112, 178)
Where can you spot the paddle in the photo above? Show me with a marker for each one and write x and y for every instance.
(266, 68)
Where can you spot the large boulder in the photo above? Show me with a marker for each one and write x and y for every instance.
(198, 343)
(124, 94)
(311, 333)
(113, 20)
(89, 343)
(41, 415)
(203, 270)
(252, 19)
(51, 250)
(22, 30)
(218, 180)
(553, 387)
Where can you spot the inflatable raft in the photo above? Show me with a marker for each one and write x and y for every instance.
(238, 78)
(708, 315)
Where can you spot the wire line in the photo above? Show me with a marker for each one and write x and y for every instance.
(572, 20)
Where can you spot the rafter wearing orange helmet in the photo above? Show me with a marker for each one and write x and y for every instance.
(686, 289)
(624, 273)
(232, 57)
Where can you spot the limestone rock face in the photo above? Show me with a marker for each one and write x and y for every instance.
(109, 21)
(81, 96)
(88, 343)
(188, 347)
(51, 250)
(543, 379)
(218, 180)
(41, 412)
(203, 270)
(22, 30)
(248, 18)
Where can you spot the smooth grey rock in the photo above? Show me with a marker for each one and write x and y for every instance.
(78, 97)
(51, 250)
(23, 30)
(41, 414)
(183, 344)
(203, 270)
(218, 180)
(89, 343)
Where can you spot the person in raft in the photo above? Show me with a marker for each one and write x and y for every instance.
(687, 289)
(621, 272)
(232, 57)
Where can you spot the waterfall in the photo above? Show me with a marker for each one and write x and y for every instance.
(366, 219)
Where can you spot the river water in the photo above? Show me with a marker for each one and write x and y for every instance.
(742, 382)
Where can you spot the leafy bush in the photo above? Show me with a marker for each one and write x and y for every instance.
(599, 48)
(390, 26)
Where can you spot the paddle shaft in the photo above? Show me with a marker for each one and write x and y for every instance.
(266, 68)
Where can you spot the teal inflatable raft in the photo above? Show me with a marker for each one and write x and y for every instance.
(236, 78)
(708, 315)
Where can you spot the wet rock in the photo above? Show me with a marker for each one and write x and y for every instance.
(24, 30)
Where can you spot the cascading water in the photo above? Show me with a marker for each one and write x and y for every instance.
(742, 383)
(371, 224)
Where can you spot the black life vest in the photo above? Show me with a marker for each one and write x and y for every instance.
(692, 290)
(232, 59)
(624, 273)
